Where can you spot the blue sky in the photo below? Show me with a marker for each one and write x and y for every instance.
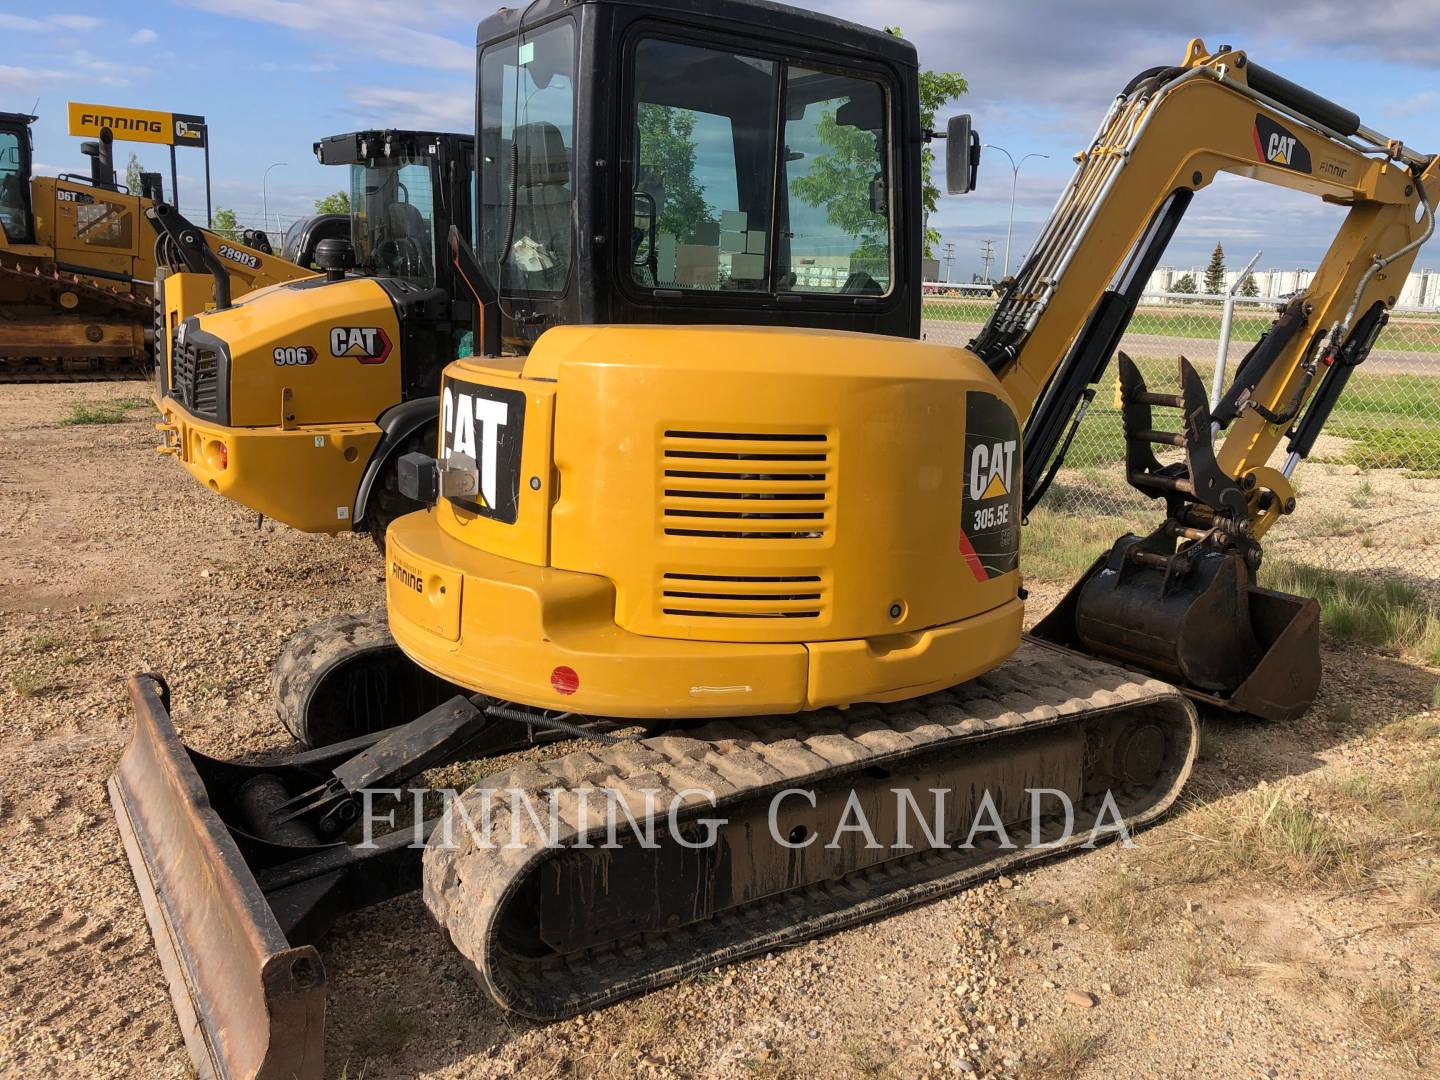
(272, 76)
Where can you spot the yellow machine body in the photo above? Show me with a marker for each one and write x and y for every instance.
(285, 441)
(87, 227)
(717, 521)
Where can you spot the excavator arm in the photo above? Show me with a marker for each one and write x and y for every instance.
(1165, 137)
(1183, 601)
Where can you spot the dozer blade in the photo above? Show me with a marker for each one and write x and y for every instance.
(249, 1004)
(1213, 632)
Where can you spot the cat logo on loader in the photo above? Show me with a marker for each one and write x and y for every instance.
(368, 344)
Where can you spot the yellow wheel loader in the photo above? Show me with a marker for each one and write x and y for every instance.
(298, 401)
(78, 266)
(714, 509)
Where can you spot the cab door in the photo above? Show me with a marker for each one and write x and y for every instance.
(16, 216)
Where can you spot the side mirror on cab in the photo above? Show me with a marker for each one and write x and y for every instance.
(962, 155)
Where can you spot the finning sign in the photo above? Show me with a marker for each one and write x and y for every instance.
(137, 125)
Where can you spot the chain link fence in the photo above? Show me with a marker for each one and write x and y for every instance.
(1369, 495)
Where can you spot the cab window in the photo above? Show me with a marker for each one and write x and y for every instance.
(719, 204)
(704, 174)
(836, 197)
(526, 174)
(103, 225)
(14, 215)
(393, 221)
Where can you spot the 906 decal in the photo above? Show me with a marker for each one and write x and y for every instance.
(295, 356)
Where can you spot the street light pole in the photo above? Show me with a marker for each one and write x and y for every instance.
(265, 192)
(1014, 182)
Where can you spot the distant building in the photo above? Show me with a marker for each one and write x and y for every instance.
(1421, 289)
(930, 269)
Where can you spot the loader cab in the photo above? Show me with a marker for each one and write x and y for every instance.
(406, 189)
(680, 162)
(17, 216)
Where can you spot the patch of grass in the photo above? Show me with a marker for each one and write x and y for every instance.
(1060, 547)
(386, 1032)
(1032, 915)
(45, 642)
(101, 412)
(1376, 613)
(1126, 911)
(867, 1062)
(100, 631)
(1069, 1050)
(1267, 833)
(1396, 1018)
(30, 683)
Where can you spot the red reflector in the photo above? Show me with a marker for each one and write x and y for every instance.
(224, 456)
(564, 680)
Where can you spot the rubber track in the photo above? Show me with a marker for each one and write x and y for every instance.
(468, 885)
(309, 653)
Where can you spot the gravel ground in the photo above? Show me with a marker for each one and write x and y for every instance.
(116, 562)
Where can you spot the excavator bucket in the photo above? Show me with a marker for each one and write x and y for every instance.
(1191, 612)
(1212, 632)
(249, 1003)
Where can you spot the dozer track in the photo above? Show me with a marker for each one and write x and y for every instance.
(46, 338)
(555, 930)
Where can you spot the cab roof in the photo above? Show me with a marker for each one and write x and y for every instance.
(359, 147)
(780, 21)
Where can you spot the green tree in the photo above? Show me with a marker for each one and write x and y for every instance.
(1215, 272)
(133, 169)
(225, 224)
(1185, 284)
(667, 169)
(937, 88)
(336, 203)
(1248, 286)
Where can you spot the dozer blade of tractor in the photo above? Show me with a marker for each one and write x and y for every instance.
(249, 1003)
(1213, 632)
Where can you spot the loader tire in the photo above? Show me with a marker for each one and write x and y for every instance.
(386, 503)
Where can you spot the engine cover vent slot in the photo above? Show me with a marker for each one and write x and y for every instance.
(725, 596)
(730, 485)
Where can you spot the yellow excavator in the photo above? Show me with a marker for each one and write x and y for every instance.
(78, 265)
(713, 508)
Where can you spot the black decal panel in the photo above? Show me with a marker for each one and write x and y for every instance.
(990, 509)
(1279, 146)
(485, 424)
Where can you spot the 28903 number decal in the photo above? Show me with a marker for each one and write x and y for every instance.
(294, 356)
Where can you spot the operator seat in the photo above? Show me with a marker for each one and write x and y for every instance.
(543, 199)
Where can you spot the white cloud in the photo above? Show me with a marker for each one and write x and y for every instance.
(51, 24)
(22, 80)
(144, 36)
(448, 110)
(369, 25)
